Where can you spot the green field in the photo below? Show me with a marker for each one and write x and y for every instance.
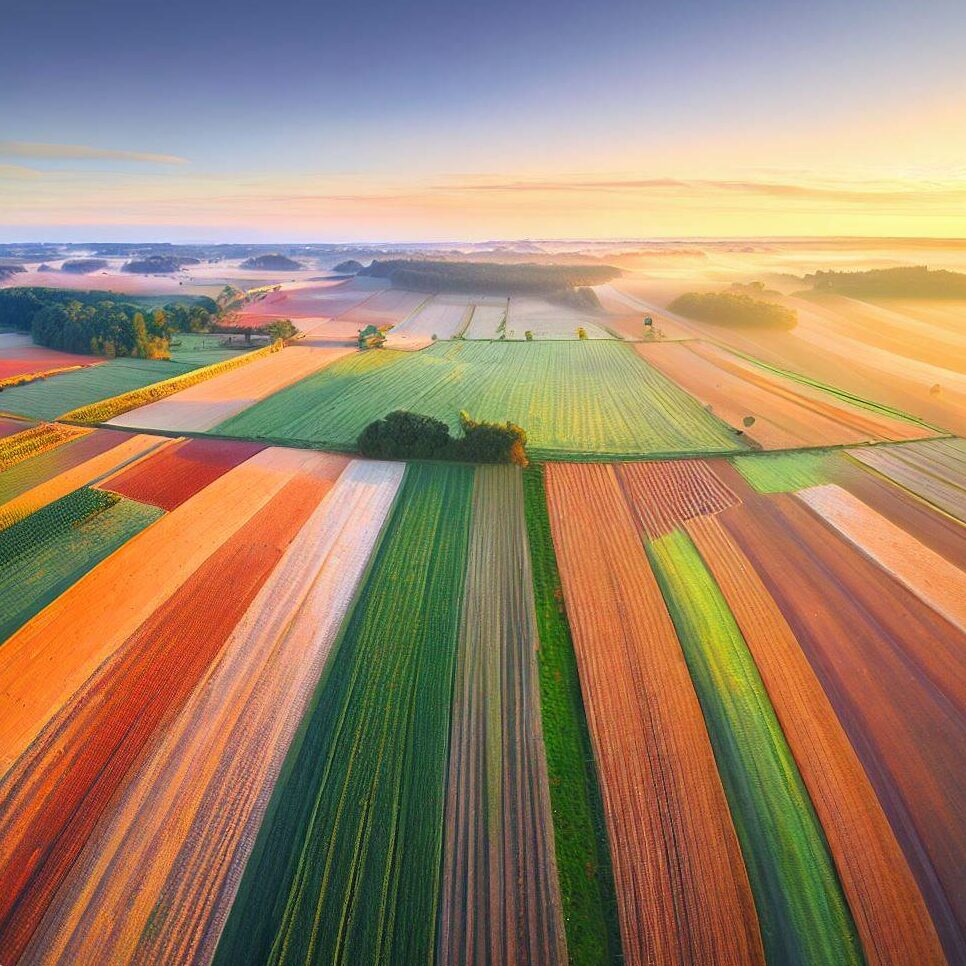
(56, 395)
(583, 857)
(785, 472)
(346, 866)
(199, 349)
(46, 552)
(804, 917)
(576, 400)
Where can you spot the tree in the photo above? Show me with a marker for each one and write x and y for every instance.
(281, 329)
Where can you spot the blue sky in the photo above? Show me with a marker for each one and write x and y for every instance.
(388, 106)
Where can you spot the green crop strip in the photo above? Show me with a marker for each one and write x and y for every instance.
(346, 866)
(785, 472)
(576, 400)
(46, 552)
(583, 857)
(803, 913)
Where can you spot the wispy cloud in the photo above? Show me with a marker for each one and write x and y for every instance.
(80, 152)
(17, 172)
(872, 193)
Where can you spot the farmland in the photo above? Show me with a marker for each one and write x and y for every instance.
(576, 400)
(684, 689)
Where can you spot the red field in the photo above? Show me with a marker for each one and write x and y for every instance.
(180, 471)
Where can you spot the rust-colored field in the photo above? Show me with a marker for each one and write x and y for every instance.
(174, 475)
(663, 495)
(682, 889)
(895, 673)
(206, 404)
(893, 923)
(52, 799)
(500, 899)
(51, 656)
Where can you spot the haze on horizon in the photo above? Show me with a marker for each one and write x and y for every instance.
(299, 121)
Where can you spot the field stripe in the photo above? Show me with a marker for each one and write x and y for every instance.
(55, 794)
(664, 494)
(906, 719)
(49, 658)
(500, 900)
(886, 904)
(347, 862)
(168, 861)
(931, 578)
(129, 448)
(682, 889)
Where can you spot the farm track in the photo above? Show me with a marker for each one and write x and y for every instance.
(52, 799)
(682, 889)
(662, 496)
(166, 886)
(346, 866)
(179, 471)
(906, 720)
(49, 658)
(500, 901)
(886, 904)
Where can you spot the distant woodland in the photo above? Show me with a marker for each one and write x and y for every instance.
(557, 282)
(159, 264)
(734, 309)
(913, 282)
(272, 262)
(82, 266)
(101, 323)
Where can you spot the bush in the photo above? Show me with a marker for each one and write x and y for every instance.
(405, 435)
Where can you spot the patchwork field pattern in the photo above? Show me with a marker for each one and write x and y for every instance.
(578, 400)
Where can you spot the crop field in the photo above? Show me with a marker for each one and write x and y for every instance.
(203, 406)
(578, 400)
(59, 394)
(783, 413)
(780, 595)
(547, 320)
(500, 900)
(20, 359)
(681, 690)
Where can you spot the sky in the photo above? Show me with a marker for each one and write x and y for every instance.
(301, 120)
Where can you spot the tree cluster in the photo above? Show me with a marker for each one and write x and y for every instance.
(405, 435)
(735, 309)
(524, 278)
(99, 322)
(911, 282)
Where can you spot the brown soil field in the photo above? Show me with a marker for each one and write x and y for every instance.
(895, 673)
(682, 889)
(500, 900)
(888, 909)
(663, 495)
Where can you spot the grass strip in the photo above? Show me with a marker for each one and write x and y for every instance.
(803, 913)
(580, 834)
(346, 867)
(785, 472)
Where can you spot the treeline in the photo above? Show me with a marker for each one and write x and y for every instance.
(735, 309)
(101, 323)
(525, 278)
(913, 282)
(403, 436)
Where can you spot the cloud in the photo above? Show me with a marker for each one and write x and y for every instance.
(79, 152)
(873, 193)
(16, 172)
